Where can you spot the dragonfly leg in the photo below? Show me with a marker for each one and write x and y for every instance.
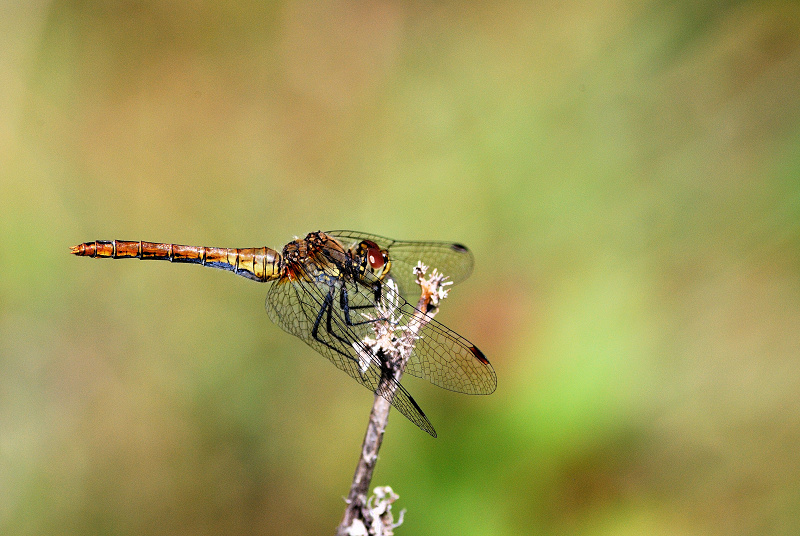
(326, 311)
(344, 303)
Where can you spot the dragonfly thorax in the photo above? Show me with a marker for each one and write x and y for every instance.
(316, 256)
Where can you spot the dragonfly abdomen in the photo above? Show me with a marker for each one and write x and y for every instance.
(258, 264)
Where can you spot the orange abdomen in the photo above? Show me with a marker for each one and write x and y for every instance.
(258, 264)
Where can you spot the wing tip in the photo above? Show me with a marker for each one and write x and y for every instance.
(490, 388)
(425, 425)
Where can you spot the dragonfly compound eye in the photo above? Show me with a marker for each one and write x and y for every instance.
(375, 256)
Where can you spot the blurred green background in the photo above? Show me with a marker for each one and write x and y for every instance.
(626, 173)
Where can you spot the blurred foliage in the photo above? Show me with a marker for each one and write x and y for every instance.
(627, 174)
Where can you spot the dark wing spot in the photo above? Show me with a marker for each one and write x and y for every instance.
(479, 355)
(459, 247)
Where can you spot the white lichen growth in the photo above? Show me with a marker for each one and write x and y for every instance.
(434, 286)
(380, 508)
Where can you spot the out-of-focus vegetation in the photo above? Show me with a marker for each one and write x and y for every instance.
(627, 174)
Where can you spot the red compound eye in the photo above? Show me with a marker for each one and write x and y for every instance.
(374, 255)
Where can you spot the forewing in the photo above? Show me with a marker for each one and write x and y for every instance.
(451, 259)
(296, 306)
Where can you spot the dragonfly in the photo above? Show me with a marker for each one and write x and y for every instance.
(330, 288)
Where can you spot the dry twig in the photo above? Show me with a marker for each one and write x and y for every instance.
(394, 343)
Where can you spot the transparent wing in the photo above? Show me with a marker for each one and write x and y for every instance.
(311, 310)
(445, 358)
